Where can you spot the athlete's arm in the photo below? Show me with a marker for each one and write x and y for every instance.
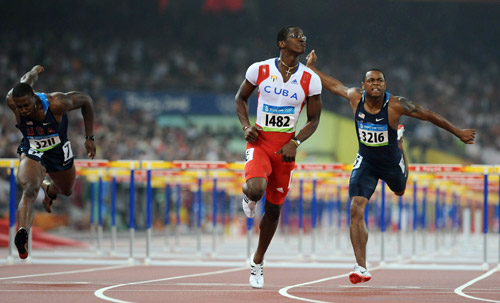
(313, 114)
(411, 109)
(289, 150)
(241, 101)
(32, 76)
(10, 103)
(330, 83)
(64, 102)
(352, 94)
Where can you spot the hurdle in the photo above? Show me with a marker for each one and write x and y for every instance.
(449, 187)
(12, 208)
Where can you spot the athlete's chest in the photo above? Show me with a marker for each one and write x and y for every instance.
(372, 128)
(275, 90)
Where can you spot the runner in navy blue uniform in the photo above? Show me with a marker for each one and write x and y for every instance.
(45, 148)
(381, 154)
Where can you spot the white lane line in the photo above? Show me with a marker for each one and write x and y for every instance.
(459, 290)
(100, 292)
(65, 272)
(284, 290)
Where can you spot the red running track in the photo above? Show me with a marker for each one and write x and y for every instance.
(207, 284)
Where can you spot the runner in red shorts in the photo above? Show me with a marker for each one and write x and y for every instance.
(285, 87)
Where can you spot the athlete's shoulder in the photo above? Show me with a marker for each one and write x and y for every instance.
(306, 69)
(264, 62)
(258, 69)
(314, 80)
(394, 100)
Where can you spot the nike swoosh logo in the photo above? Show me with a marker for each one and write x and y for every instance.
(46, 123)
(377, 120)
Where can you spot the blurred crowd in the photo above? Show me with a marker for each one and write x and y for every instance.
(210, 53)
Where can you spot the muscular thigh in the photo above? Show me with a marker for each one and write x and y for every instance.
(280, 180)
(395, 177)
(364, 179)
(30, 171)
(64, 179)
(257, 162)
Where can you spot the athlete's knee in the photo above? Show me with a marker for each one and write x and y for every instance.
(67, 192)
(255, 189)
(357, 209)
(30, 189)
(400, 193)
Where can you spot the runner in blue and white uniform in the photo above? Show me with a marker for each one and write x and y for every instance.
(45, 148)
(381, 154)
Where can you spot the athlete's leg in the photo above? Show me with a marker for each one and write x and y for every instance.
(257, 169)
(277, 188)
(62, 182)
(358, 230)
(29, 176)
(268, 226)
(401, 147)
(255, 188)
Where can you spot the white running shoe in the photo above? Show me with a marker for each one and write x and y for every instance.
(401, 130)
(256, 273)
(249, 207)
(359, 274)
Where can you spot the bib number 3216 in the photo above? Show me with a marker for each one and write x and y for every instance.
(373, 134)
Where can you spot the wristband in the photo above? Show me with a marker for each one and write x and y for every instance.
(246, 127)
(296, 141)
(90, 137)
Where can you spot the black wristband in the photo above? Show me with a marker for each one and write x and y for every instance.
(90, 137)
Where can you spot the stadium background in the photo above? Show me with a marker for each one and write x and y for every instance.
(163, 74)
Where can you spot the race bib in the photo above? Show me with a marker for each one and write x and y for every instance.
(373, 134)
(44, 143)
(277, 118)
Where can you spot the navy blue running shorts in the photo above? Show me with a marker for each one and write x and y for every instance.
(57, 159)
(365, 176)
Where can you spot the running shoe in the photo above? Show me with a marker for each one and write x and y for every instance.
(256, 273)
(21, 241)
(249, 206)
(401, 130)
(47, 201)
(359, 274)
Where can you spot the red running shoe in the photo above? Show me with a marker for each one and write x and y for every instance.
(360, 274)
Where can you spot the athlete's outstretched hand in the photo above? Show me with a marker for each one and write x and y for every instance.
(467, 136)
(311, 58)
(38, 68)
(288, 152)
(252, 133)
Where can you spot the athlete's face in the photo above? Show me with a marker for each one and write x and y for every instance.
(374, 84)
(26, 105)
(296, 40)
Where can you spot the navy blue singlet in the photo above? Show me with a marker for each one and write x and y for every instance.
(378, 142)
(42, 134)
(46, 141)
